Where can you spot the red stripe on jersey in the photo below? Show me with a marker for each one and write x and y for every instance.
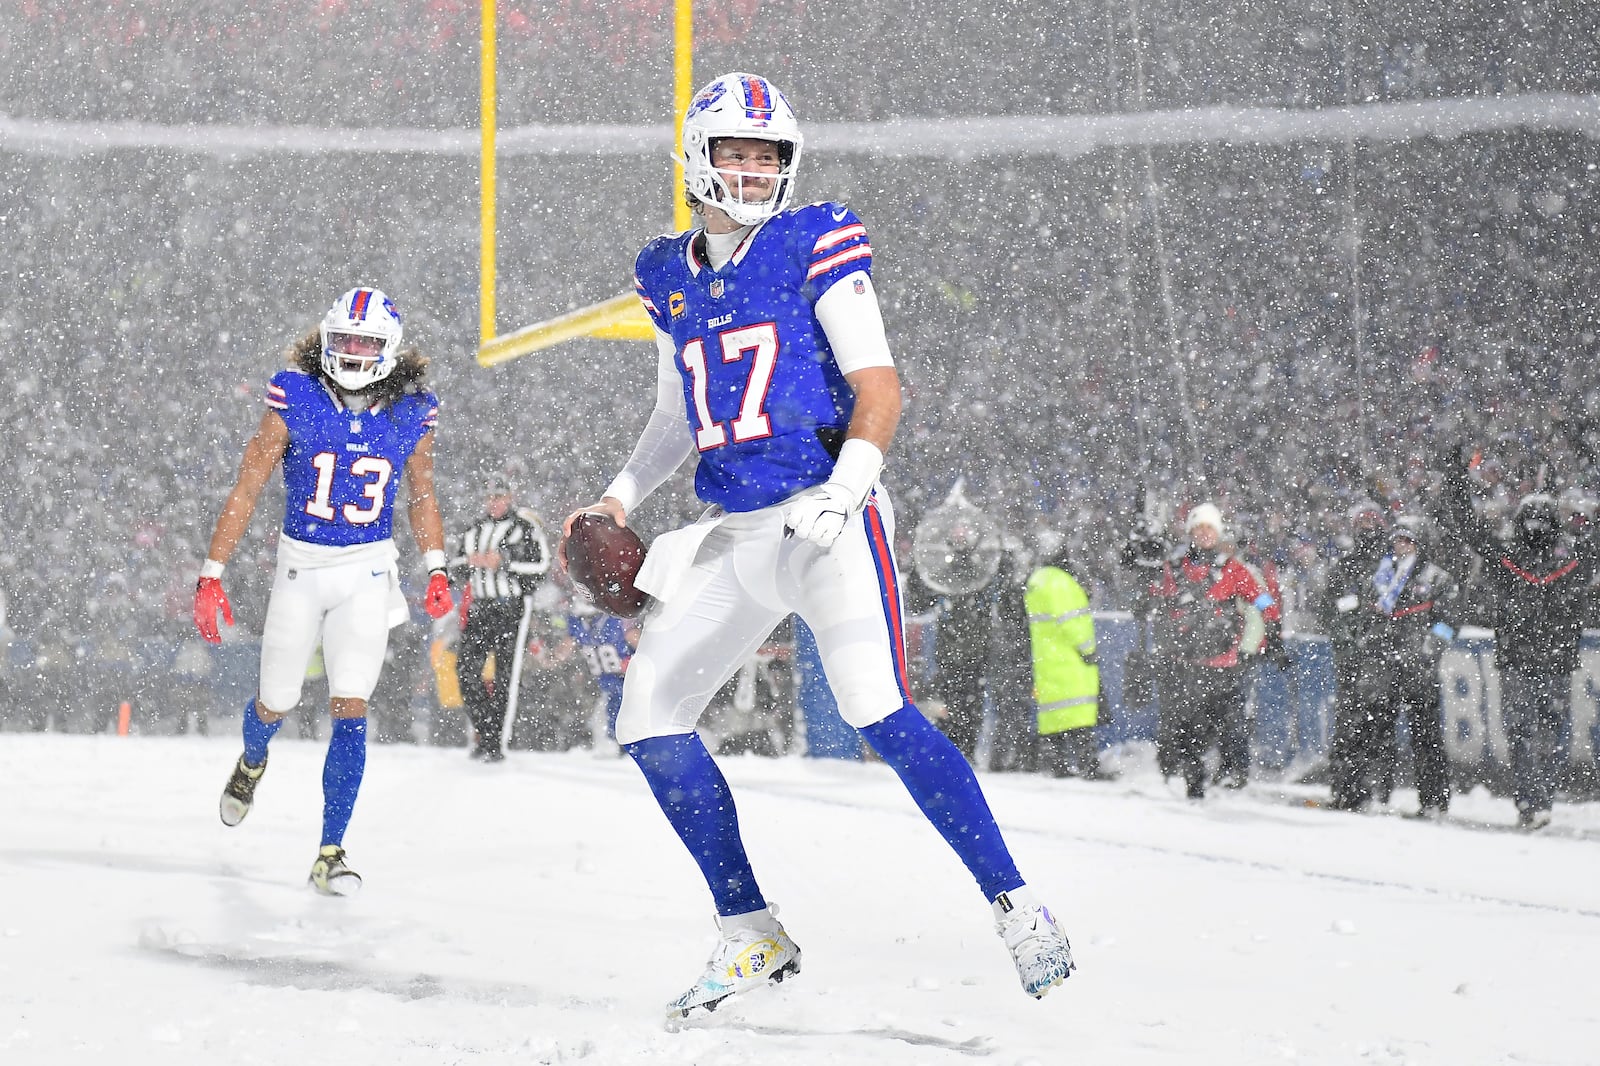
(838, 236)
(878, 540)
(822, 266)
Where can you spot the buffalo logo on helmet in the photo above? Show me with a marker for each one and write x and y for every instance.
(708, 96)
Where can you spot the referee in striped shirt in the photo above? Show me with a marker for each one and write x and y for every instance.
(501, 560)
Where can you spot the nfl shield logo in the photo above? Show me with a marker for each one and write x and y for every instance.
(717, 289)
(860, 287)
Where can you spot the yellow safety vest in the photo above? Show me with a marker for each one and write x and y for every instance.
(1061, 629)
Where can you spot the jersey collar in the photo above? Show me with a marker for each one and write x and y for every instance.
(695, 253)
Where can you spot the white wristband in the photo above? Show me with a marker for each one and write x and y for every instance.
(433, 559)
(857, 467)
(210, 568)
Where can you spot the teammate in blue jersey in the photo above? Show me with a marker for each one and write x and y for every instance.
(344, 420)
(772, 347)
(606, 644)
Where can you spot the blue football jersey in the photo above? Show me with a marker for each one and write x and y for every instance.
(342, 467)
(603, 642)
(766, 402)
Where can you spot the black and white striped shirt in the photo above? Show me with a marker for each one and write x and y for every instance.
(524, 551)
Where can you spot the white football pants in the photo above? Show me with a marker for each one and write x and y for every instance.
(747, 577)
(346, 607)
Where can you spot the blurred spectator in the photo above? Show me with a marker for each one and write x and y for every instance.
(1408, 608)
(1206, 607)
(1538, 579)
(1009, 675)
(1345, 611)
(1066, 670)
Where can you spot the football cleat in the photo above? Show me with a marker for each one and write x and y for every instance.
(1037, 944)
(239, 794)
(752, 951)
(330, 876)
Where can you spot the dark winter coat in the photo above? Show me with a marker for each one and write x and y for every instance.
(1538, 591)
(1403, 629)
(1340, 608)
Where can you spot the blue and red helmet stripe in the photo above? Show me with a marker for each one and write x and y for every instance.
(757, 98)
(358, 304)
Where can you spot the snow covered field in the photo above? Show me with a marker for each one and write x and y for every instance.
(541, 912)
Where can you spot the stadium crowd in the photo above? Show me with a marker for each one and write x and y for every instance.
(1280, 327)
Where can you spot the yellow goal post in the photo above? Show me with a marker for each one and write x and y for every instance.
(621, 317)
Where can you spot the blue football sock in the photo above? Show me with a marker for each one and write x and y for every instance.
(341, 776)
(256, 735)
(695, 798)
(941, 781)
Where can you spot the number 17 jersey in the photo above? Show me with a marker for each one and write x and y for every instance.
(766, 402)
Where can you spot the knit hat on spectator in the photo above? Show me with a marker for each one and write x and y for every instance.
(1204, 514)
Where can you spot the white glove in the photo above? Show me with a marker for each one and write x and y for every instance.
(819, 513)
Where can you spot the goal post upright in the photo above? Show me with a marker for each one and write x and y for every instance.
(486, 171)
(619, 318)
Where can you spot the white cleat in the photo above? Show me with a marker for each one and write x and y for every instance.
(752, 952)
(1037, 944)
(330, 876)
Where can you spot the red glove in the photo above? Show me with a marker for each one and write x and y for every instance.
(437, 601)
(208, 600)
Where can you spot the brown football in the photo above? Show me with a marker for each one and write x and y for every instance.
(603, 558)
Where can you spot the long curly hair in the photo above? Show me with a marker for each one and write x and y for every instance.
(409, 375)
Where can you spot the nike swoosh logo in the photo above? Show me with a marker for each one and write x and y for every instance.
(838, 216)
(379, 573)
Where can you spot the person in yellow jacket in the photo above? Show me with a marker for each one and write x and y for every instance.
(1066, 674)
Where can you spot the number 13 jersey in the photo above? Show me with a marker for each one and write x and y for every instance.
(766, 402)
(342, 467)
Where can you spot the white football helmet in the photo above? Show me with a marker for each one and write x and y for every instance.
(739, 105)
(360, 339)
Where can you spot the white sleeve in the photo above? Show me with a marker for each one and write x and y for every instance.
(664, 443)
(854, 324)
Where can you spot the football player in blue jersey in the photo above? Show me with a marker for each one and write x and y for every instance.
(347, 416)
(772, 349)
(606, 644)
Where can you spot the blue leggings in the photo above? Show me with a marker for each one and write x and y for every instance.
(696, 799)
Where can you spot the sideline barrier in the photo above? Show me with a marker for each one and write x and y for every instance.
(1292, 710)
